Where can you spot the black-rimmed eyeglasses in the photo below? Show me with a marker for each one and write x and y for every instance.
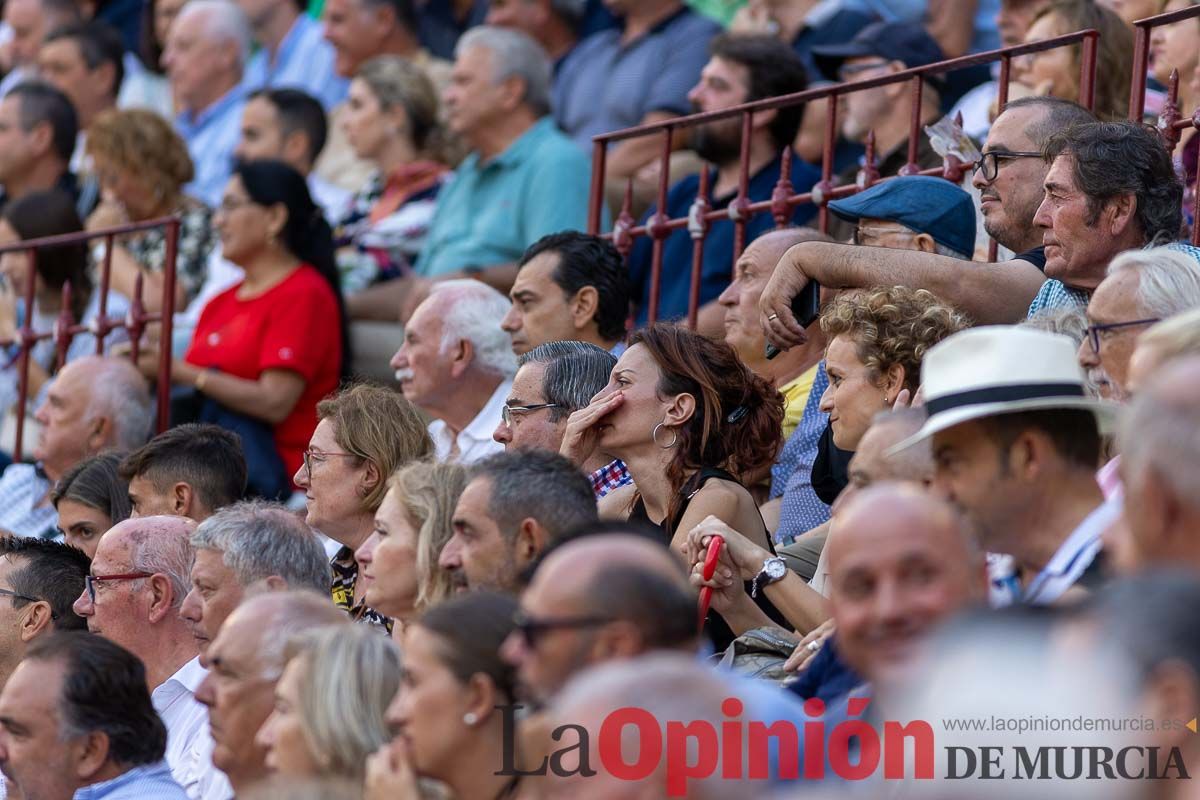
(989, 162)
(532, 628)
(1094, 331)
(26, 598)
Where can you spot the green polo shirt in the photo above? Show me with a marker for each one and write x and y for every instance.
(489, 213)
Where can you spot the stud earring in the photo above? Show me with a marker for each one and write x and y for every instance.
(469, 718)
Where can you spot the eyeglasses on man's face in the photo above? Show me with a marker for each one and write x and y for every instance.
(510, 413)
(1096, 333)
(532, 628)
(26, 598)
(989, 162)
(92, 580)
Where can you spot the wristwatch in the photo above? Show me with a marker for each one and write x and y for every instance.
(774, 569)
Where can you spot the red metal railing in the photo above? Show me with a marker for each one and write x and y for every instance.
(783, 199)
(1171, 121)
(66, 327)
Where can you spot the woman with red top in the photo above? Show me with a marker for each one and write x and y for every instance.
(267, 349)
(390, 120)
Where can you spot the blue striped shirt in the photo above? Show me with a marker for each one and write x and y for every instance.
(150, 780)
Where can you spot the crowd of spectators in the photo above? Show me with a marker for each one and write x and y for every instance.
(602, 477)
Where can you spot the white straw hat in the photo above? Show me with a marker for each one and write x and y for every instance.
(1001, 369)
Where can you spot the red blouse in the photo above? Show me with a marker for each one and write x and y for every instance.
(292, 326)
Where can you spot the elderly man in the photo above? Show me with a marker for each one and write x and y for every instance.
(76, 721)
(207, 48)
(40, 581)
(292, 52)
(570, 286)
(1015, 444)
(137, 582)
(93, 404)
(522, 180)
(797, 375)
(912, 212)
(187, 471)
(360, 30)
(30, 21)
(741, 69)
(553, 24)
(515, 505)
(1159, 457)
(246, 661)
(38, 127)
(243, 550)
(1111, 187)
(1141, 288)
(558, 378)
(1009, 179)
(456, 365)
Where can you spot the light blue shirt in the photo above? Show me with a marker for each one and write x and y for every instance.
(304, 61)
(490, 212)
(151, 780)
(211, 137)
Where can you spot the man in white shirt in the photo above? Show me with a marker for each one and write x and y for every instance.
(139, 577)
(456, 364)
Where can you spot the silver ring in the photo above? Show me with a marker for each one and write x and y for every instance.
(772, 317)
(814, 646)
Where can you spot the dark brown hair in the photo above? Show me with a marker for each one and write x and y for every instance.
(471, 629)
(738, 422)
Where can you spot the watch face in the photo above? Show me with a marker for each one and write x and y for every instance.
(776, 569)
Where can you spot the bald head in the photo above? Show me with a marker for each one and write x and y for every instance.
(743, 329)
(156, 545)
(265, 622)
(1160, 465)
(637, 589)
(900, 561)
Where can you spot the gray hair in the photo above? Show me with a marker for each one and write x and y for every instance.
(1070, 322)
(1174, 337)
(473, 310)
(536, 484)
(120, 393)
(163, 549)
(258, 539)
(939, 248)
(224, 22)
(1164, 433)
(352, 673)
(514, 54)
(1168, 279)
(575, 373)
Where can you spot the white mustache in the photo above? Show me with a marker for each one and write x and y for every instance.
(404, 374)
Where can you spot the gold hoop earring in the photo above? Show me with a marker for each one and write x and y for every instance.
(674, 436)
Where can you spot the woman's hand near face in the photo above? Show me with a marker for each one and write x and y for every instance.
(108, 214)
(582, 436)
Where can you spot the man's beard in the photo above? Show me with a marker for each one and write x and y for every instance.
(715, 145)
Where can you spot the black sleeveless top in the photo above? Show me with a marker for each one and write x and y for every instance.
(715, 627)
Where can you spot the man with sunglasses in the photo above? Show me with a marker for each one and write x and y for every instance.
(138, 580)
(39, 580)
(1009, 178)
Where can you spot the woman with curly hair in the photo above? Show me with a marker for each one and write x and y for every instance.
(142, 166)
(877, 339)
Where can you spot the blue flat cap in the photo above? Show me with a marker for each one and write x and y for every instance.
(920, 202)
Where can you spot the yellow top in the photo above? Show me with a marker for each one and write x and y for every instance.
(795, 398)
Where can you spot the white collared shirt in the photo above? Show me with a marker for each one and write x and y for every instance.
(189, 742)
(1065, 568)
(475, 441)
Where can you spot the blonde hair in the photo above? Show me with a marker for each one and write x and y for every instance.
(376, 424)
(398, 83)
(143, 143)
(1174, 337)
(351, 673)
(892, 325)
(428, 492)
